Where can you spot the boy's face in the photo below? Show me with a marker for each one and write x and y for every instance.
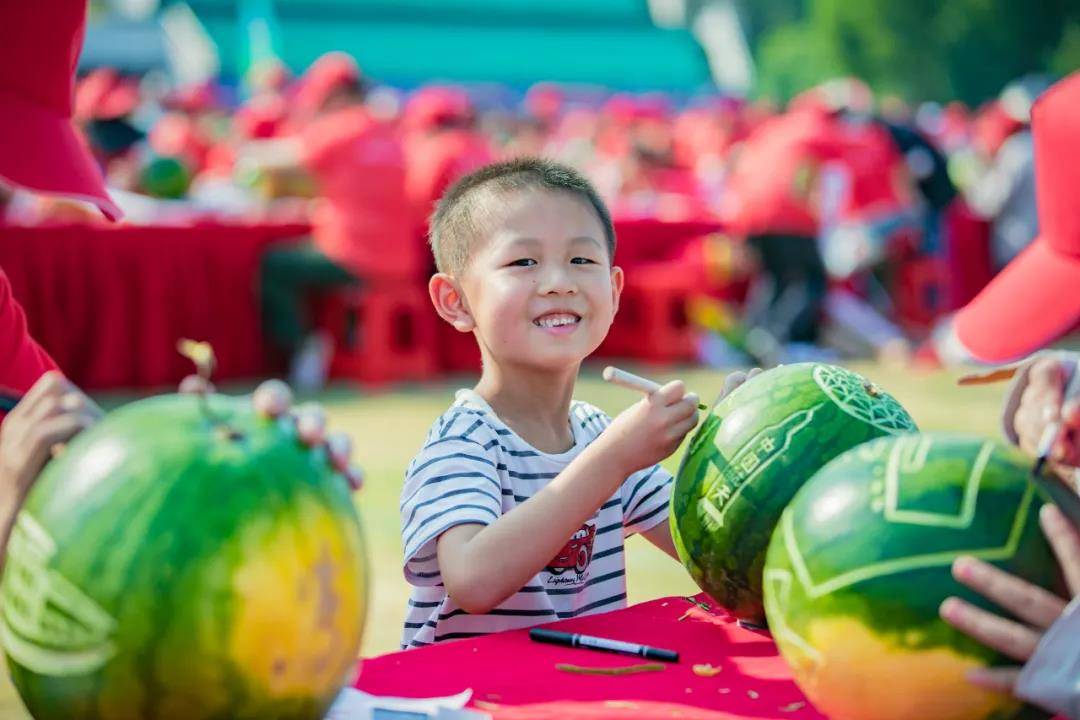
(540, 285)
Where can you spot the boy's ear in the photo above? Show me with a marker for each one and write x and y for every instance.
(617, 280)
(449, 302)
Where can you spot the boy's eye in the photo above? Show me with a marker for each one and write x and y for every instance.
(522, 262)
(583, 261)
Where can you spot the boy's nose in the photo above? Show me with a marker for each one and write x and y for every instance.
(557, 281)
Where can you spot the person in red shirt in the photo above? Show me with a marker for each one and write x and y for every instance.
(105, 103)
(43, 154)
(770, 199)
(442, 144)
(1033, 303)
(23, 360)
(362, 226)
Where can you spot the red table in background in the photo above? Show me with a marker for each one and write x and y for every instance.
(514, 678)
(647, 241)
(109, 303)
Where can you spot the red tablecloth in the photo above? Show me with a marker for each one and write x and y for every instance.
(109, 303)
(514, 678)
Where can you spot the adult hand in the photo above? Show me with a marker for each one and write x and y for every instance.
(49, 415)
(274, 399)
(733, 381)
(1036, 609)
(1043, 402)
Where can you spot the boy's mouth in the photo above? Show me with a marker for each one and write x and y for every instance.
(557, 320)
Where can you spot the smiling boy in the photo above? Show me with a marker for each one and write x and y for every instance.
(515, 510)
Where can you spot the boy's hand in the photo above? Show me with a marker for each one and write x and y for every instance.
(1036, 608)
(52, 413)
(651, 429)
(1043, 402)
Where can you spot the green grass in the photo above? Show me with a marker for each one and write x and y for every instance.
(388, 428)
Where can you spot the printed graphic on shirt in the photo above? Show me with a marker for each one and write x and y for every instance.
(574, 558)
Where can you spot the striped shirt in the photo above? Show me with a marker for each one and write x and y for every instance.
(473, 469)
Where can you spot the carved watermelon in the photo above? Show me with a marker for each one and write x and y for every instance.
(184, 561)
(861, 562)
(750, 456)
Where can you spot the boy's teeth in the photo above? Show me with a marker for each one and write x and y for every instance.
(556, 320)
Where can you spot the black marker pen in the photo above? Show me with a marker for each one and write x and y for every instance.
(595, 643)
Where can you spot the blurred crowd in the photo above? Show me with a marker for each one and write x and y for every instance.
(819, 203)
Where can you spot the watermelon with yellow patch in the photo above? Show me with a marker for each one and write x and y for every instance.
(861, 561)
(747, 460)
(185, 558)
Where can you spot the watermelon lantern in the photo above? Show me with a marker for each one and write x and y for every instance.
(185, 558)
(751, 455)
(861, 562)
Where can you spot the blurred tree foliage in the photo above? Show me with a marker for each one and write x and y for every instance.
(916, 49)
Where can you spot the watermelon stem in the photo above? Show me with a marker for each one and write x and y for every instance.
(202, 355)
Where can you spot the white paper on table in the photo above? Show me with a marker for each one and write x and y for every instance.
(354, 704)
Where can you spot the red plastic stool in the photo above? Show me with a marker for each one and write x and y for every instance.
(458, 351)
(652, 324)
(381, 334)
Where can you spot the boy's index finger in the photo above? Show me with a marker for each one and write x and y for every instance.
(653, 391)
(671, 393)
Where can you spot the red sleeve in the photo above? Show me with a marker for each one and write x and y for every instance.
(23, 361)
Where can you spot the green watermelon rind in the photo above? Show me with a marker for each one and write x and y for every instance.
(905, 614)
(132, 620)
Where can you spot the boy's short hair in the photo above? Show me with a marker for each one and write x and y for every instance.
(455, 222)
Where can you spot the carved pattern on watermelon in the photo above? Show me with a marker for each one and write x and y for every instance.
(1001, 551)
(910, 455)
(907, 455)
(778, 583)
(862, 399)
(46, 612)
(752, 460)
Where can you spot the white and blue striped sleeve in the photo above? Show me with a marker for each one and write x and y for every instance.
(453, 481)
(645, 496)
